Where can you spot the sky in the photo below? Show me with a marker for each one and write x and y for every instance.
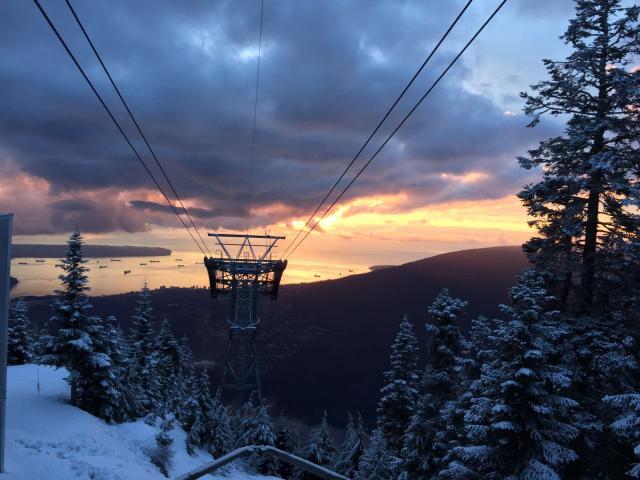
(329, 70)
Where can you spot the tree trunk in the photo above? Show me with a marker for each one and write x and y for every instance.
(590, 243)
(595, 185)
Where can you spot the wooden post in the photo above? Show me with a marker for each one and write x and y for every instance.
(6, 221)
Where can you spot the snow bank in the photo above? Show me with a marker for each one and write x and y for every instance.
(46, 438)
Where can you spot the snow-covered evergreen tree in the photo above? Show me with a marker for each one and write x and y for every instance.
(400, 390)
(168, 366)
(43, 343)
(377, 463)
(320, 449)
(185, 370)
(287, 441)
(103, 388)
(585, 206)
(205, 419)
(519, 425)
(437, 420)
(600, 355)
(220, 435)
(627, 425)
(72, 345)
(199, 433)
(258, 430)
(243, 419)
(189, 409)
(349, 454)
(20, 341)
(162, 454)
(142, 352)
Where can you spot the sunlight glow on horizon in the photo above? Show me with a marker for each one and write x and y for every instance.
(362, 232)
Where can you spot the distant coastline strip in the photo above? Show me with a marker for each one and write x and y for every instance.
(24, 250)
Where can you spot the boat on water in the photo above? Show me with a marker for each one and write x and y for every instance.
(116, 260)
(127, 271)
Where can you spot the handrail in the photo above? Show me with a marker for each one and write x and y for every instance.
(294, 460)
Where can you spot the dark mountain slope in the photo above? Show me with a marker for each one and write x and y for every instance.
(326, 343)
(358, 316)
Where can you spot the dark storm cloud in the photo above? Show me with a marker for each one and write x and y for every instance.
(194, 211)
(329, 71)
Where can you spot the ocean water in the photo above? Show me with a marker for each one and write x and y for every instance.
(41, 278)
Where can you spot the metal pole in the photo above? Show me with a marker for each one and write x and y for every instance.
(263, 450)
(6, 221)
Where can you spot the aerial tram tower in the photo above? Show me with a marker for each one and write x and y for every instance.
(243, 269)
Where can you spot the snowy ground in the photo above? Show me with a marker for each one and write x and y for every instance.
(46, 438)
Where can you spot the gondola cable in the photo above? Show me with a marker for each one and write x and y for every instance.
(135, 122)
(406, 117)
(113, 119)
(384, 118)
(255, 109)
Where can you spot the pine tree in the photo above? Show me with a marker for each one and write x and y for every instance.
(134, 395)
(20, 342)
(627, 425)
(103, 391)
(437, 421)
(72, 346)
(168, 365)
(520, 423)
(350, 452)
(219, 428)
(205, 419)
(162, 454)
(287, 441)
(400, 392)
(143, 358)
(188, 410)
(199, 434)
(258, 430)
(377, 463)
(320, 449)
(42, 345)
(600, 355)
(185, 370)
(585, 206)
(242, 420)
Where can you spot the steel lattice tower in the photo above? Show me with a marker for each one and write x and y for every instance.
(244, 270)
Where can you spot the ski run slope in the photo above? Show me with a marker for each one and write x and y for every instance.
(46, 438)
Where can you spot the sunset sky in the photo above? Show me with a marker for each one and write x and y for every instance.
(329, 71)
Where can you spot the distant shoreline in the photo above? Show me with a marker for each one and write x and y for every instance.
(28, 250)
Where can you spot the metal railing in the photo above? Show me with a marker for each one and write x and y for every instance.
(250, 450)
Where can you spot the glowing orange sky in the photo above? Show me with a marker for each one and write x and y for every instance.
(363, 232)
